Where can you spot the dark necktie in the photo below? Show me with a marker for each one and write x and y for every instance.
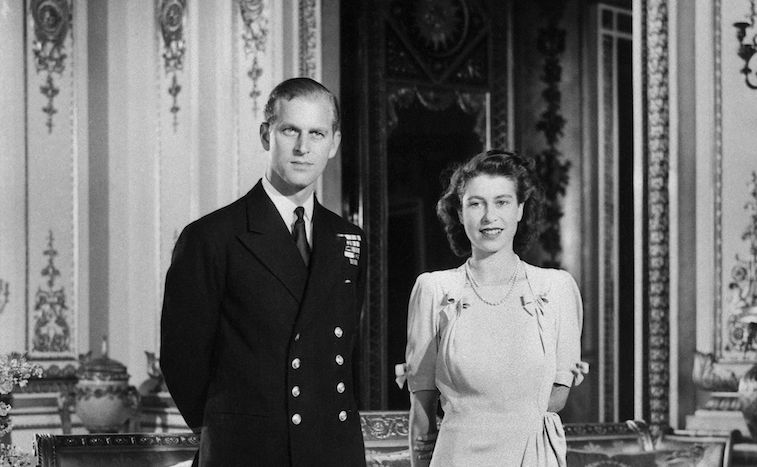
(300, 238)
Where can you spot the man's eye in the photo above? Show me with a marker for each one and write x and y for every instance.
(318, 134)
(289, 131)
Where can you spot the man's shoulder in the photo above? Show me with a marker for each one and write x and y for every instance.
(229, 217)
(339, 223)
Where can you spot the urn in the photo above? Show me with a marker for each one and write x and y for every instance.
(104, 399)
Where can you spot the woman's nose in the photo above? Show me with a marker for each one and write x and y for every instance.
(487, 216)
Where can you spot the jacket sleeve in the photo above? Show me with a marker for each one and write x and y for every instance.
(189, 320)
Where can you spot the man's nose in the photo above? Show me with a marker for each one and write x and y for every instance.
(303, 145)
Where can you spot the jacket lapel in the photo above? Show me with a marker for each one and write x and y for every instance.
(323, 268)
(268, 238)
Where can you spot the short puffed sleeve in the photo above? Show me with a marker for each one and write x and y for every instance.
(569, 306)
(420, 354)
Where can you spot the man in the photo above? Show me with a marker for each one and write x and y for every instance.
(262, 304)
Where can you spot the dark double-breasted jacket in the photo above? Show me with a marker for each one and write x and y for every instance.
(255, 347)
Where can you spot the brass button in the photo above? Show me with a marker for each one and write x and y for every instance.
(342, 416)
(340, 387)
(339, 360)
(296, 363)
(338, 331)
(296, 391)
(297, 336)
(297, 419)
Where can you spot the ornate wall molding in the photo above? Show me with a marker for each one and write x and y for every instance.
(309, 38)
(171, 17)
(500, 101)
(608, 259)
(550, 162)
(52, 328)
(435, 100)
(52, 22)
(656, 137)
(51, 176)
(254, 36)
(375, 214)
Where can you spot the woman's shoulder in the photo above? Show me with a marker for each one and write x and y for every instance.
(442, 277)
(441, 281)
(545, 279)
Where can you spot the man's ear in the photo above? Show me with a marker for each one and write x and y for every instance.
(335, 143)
(265, 135)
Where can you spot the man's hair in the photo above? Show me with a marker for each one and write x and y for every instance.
(300, 87)
(496, 163)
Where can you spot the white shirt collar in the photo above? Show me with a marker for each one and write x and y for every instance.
(286, 207)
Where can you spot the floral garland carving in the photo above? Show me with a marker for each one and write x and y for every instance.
(254, 37)
(552, 169)
(52, 332)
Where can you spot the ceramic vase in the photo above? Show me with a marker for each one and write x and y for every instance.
(104, 399)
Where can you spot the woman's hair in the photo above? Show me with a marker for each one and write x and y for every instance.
(496, 163)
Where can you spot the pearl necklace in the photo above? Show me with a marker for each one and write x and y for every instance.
(475, 286)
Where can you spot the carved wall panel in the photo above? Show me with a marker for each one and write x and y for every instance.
(51, 181)
(175, 166)
(735, 194)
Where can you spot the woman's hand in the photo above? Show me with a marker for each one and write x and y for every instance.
(423, 446)
(423, 431)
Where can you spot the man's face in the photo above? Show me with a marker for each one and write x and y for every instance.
(300, 142)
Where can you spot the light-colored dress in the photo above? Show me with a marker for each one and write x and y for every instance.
(495, 365)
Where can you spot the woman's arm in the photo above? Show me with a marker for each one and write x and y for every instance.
(558, 397)
(422, 435)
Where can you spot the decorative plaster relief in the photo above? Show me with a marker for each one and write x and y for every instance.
(51, 316)
(437, 100)
(657, 254)
(254, 36)
(171, 17)
(735, 197)
(310, 46)
(51, 182)
(52, 21)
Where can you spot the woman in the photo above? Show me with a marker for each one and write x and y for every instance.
(496, 338)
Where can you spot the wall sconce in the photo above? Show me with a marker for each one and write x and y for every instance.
(3, 295)
(748, 47)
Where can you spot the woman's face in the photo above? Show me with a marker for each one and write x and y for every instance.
(490, 213)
